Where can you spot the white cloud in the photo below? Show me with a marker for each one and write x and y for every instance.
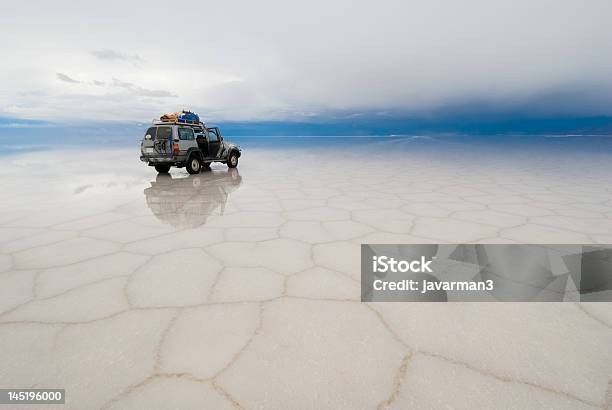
(139, 91)
(113, 55)
(276, 59)
(64, 77)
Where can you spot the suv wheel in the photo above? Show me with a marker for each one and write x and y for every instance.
(232, 161)
(162, 169)
(194, 165)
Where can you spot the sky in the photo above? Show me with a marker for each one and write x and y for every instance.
(307, 59)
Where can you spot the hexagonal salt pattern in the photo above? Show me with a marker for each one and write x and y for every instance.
(240, 289)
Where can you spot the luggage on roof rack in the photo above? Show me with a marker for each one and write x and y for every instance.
(170, 117)
(189, 117)
(186, 117)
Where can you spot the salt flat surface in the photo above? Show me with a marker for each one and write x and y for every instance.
(240, 288)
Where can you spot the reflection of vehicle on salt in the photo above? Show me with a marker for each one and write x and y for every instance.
(187, 202)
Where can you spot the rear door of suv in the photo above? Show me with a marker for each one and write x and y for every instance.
(157, 141)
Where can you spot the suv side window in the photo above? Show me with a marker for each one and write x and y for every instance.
(185, 133)
(212, 136)
(198, 132)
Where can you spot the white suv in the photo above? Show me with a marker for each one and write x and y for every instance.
(193, 146)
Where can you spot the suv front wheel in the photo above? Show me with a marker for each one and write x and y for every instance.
(194, 165)
(232, 161)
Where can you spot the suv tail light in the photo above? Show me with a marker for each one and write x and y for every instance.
(175, 149)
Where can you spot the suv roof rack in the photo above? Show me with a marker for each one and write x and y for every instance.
(193, 124)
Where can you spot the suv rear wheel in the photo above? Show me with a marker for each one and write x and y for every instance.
(162, 169)
(194, 165)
